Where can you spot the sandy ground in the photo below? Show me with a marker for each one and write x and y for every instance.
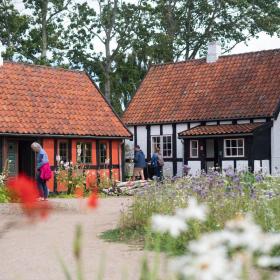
(31, 252)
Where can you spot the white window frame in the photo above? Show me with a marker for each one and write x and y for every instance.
(161, 144)
(237, 147)
(191, 149)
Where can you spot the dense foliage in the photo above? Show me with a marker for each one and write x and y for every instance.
(116, 41)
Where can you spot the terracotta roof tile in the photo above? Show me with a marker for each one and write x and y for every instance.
(236, 86)
(222, 129)
(46, 100)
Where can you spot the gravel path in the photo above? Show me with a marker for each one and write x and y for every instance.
(31, 252)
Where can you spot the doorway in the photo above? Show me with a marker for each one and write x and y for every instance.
(26, 158)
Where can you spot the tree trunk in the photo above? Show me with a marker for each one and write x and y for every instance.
(107, 70)
(44, 31)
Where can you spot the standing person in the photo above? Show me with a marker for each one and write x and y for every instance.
(43, 170)
(158, 163)
(139, 163)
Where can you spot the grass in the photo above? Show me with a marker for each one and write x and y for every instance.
(225, 196)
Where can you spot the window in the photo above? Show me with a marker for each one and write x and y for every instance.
(164, 142)
(63, 151)
(102, 152)
(234, 147)
(84, 152)
(194, 148)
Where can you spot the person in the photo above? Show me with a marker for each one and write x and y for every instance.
(139, 163)
(158, 163)
(42, 166)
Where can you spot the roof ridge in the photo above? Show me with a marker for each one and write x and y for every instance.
(221, 57)
(58, 68)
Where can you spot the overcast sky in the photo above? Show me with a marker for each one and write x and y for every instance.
(264, 42)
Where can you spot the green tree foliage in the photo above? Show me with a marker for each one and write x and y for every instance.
(13, 27)
(45, 30)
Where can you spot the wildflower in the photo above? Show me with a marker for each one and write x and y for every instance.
(79, 192)
(193, 211)
(268, 261)
(213, 265)
(25, 190)
(171, 224)
(92, 200)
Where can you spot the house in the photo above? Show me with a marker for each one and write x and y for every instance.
(217, 111)
(65, 112)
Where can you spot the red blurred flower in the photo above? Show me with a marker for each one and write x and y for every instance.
(26, 192)
(92, 200)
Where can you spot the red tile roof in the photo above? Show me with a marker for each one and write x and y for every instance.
(46, 100)
(236, 86)
(221, 129)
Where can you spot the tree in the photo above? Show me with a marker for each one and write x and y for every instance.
(112, 26)
(13, 27)
(46, 31)
(182, 28)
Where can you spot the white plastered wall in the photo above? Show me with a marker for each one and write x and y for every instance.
(129, 144)
(167, 129)
(195, 167)
(180, 146)
(275, 146)
(242, 165)
(142, 138)
(168, 169)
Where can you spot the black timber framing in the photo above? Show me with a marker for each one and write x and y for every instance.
(174, 149)
(55, 165)
(148, 127)
(110, 158)
(135, 135)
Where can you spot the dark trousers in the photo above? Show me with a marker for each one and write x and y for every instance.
(42, 186)
(158, 172)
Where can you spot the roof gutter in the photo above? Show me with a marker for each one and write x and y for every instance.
(214, 135)
(63, 136)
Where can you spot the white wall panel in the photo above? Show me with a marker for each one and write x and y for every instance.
(142, 138)
(194, 124)
(167, 129)
(257, 166)
(275, 146)
(242, 165)
(265, 166)
(225, 122)
(227, 164)
(168, 169)
(243, 121)
(129, 145)
(180, 166)
(155, 130)
(259, 120)
(211, 123)
(180, 146)
(195, 167)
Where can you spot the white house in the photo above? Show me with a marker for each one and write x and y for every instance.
(220, 111)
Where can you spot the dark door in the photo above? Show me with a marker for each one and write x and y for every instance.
(26, 160)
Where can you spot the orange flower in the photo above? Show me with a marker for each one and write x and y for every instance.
(26, 192)
(79, 192)
(92, 200)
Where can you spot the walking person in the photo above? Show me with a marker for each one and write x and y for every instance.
(139, 163)
(158, 163)
(43, 170)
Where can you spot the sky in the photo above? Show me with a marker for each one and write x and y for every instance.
(263, 42)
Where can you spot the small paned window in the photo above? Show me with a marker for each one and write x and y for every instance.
(234, 147)
(102, 152)
(63, 151)
(84, 154)
(194, 148)
(164, 143)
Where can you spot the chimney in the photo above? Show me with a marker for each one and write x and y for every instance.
(1, 58)
(213, 51)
